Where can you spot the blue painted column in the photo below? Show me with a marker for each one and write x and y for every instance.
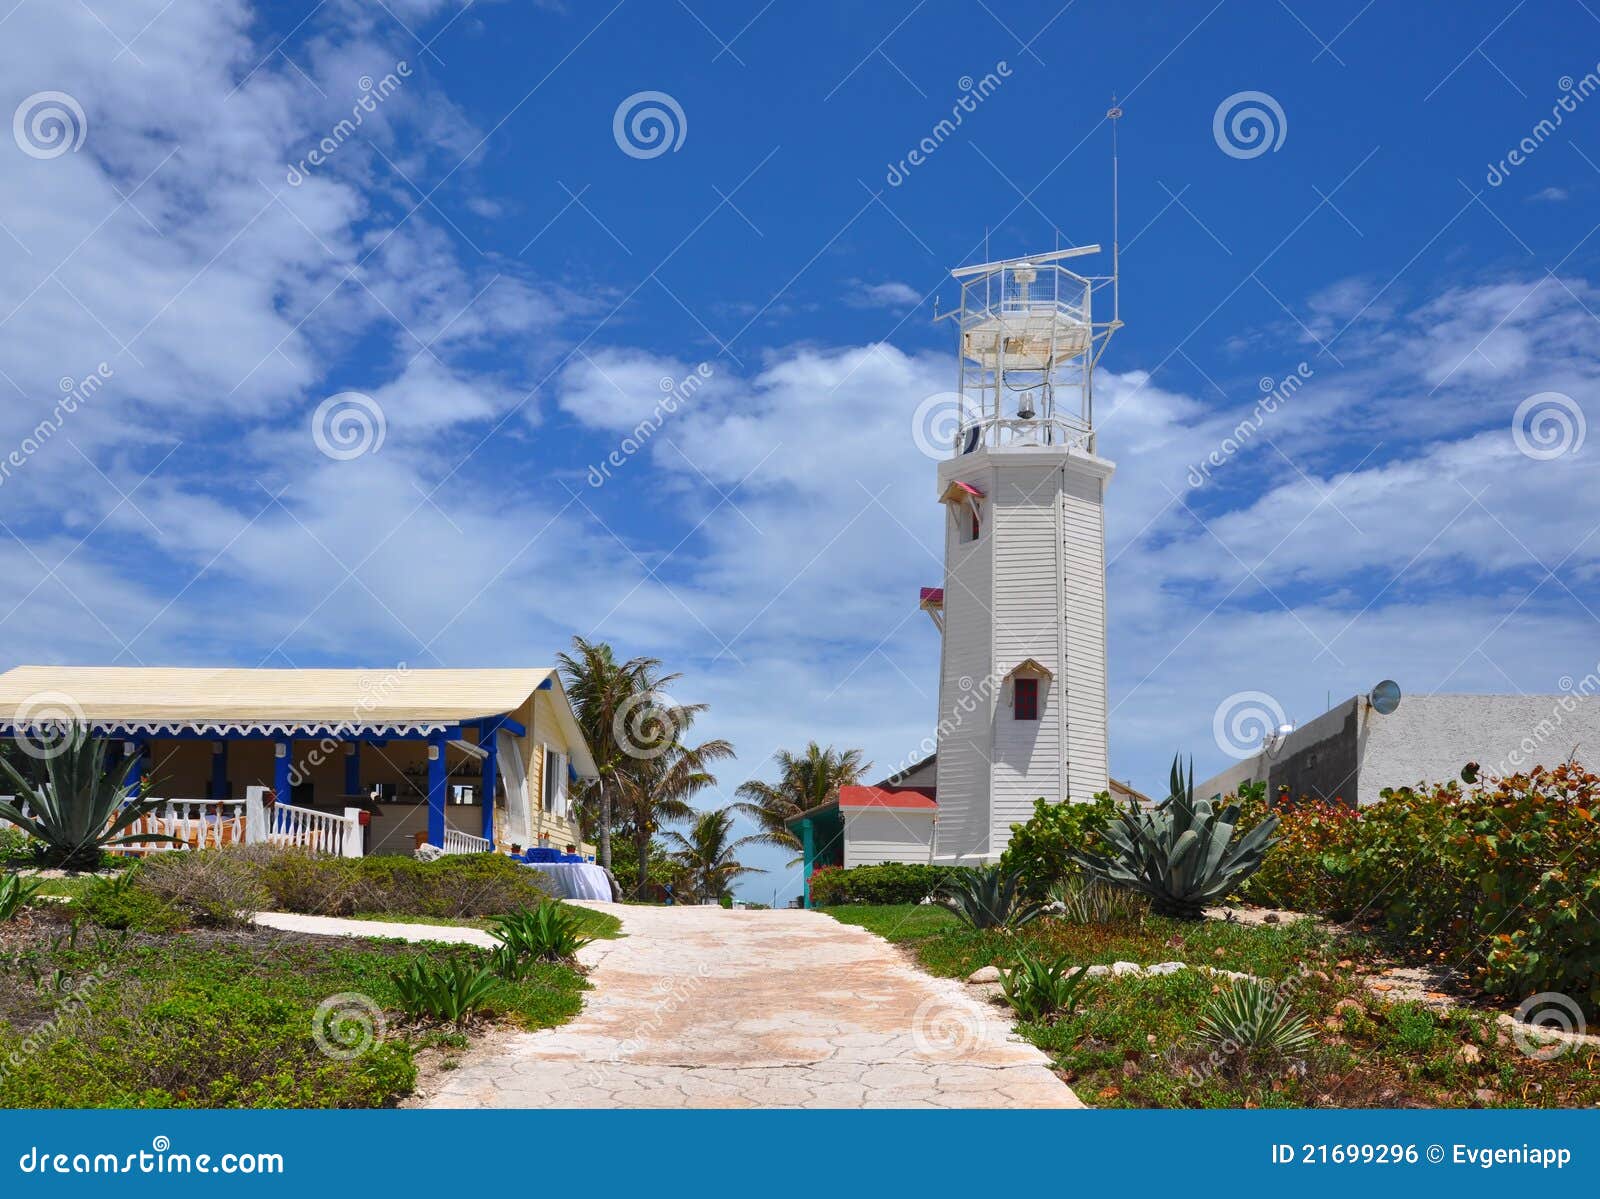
(808, 847)
(219, 770)
(281, 764)
(491, 764)
(352, 769)
(436, 789)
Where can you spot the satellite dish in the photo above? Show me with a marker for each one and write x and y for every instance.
(1385, 697)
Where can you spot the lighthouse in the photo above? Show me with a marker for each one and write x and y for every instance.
(1022, 678)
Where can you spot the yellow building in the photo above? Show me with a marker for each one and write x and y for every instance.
(483, 758)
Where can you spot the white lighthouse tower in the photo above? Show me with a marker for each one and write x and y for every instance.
(1022, 685)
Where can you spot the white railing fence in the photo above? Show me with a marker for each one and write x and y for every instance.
(459, 842)
(196, 823)
(213, 823)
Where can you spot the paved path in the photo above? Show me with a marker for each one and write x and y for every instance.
(700, 1007)
(339, 926)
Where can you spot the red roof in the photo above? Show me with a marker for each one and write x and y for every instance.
(932, 597)
(887, 797)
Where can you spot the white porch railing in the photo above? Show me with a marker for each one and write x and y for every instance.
(459, 842)
(320, 832)
(213, 823)
(196, 823)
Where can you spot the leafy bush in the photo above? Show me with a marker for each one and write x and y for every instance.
(15, 891)
(890, 882)
(118, 902)
(1038, 988)
(1252, 1017)
(1298, 872)
(989, 897)
(457, 886)
(547, 933)
(1183, 855)
(1041, 850)
(213, 887)
(1500, 875)
(450, 991)
(16, 847)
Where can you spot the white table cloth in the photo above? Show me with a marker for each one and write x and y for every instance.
(574, 880)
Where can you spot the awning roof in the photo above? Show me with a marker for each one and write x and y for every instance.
(232, 698)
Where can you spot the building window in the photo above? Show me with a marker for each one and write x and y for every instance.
(555, 782)
(968, 523)
(1025, 699)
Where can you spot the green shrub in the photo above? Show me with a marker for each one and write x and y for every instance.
(1039, 988)
(215, 888)
(459, 886)
(17, 848)
(1500, 876)
(1041, 850)
(1084, 900)
(547, 933)
(119, 902)
(451, 990)
(890, 882)
(15, 891)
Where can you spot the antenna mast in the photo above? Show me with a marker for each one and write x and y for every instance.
(1114, 114)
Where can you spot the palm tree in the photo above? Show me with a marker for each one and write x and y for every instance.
(707, 854)
(805, 781)
(656, 789)
(600, 689)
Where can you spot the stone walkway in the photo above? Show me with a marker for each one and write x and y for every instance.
(701, 1007)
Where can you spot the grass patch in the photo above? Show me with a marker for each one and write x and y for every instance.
(1135, 1043)
(219, 1018)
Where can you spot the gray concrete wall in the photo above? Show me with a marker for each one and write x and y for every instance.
(1352, 753)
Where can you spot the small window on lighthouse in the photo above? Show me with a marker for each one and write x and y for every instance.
(968, 524)
(1024, 699)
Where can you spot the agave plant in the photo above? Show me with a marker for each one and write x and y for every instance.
(1184, 854)
(82, 807)
(1252, 1016)
(451, 990)
(1038, 988)
(547, 933)
(989, 897)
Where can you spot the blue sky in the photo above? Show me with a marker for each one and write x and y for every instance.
(505, 286)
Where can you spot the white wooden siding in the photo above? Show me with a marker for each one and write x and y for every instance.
(1027, 624)
(873, 835)
(1084, 565)
(965, 712)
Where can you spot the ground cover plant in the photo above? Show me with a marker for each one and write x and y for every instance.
(1140, 1040)
(227, 1017)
